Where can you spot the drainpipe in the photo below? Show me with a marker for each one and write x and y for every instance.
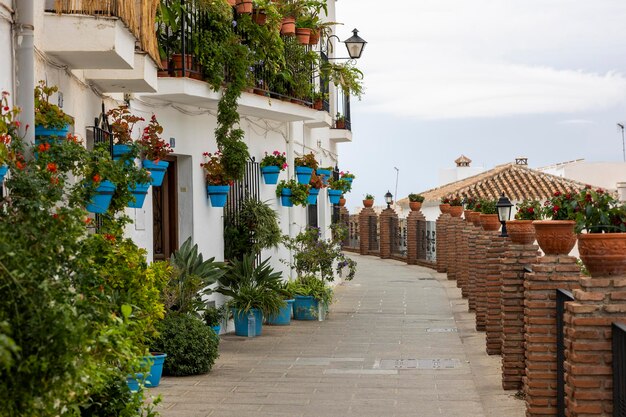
(25, 67)
(290, 172)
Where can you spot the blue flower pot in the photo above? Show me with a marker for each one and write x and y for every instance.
(284, 317)
(312, 197)
(133, 381)
(119, 151)
(157, 171)
(349, 179)
(217, 329)
(334, 196)
(156, 369)
(305, 307)
(41, 131)
(3, 172)
(327, 174)
(270, 175)
(285, 197)
(102, 199)
(304, 174)
(139, 192)
(241, 322)
(218, 194)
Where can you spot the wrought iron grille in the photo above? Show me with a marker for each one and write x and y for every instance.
(343, 109)
(336, 210)
(312, 220)
(353, 232)
(373, 234)
(101, 133)
(562, 296)
(427, 241)
(398, 236)
(618, 331)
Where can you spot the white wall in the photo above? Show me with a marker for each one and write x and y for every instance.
(601, 174)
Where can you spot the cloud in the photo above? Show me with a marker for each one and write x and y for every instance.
(577, 122)
(443, 59)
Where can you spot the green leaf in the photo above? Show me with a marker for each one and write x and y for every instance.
(126, 310)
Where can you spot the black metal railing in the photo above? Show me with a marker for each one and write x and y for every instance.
(374, 245)
(427, 241)
(398, 236)
(618, 331)
(336, 209)
(353, 232)
(342, 119)
(562, 296)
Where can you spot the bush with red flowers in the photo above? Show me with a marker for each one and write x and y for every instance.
(275, 159)
(214, 170)
(528, 210)
(152, 146)
(561, 206)
(597, 211)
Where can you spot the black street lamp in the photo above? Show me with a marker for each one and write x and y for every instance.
(504, 206)
(355, 45)
(388, 199)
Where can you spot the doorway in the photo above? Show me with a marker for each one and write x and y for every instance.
(165, 213)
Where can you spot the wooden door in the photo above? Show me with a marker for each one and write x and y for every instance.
(165, 214)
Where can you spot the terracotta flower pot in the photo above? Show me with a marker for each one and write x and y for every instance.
(177, 63)
(315, 37)
(232, 2)
(303, 35)
(288, 27)
(555, 237)
(445, 208)
(604, 254)
(342, 202)
(368, 203)
(489, 222)
(521, 232)
(318, 104)
(244, 6)
(456, 211)
(340, 124)
(476, 219)
(471, 215)
(259, 17)
(467, 214)
(415, 205)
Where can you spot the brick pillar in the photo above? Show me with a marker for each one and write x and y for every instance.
(493, 284)
(413, 234)
(385, 232)
(442, 242)
(473, 263)
(549, 273)
(588, 352)
(515, 258)
(453, 241)
(463, 258)
(364, 230)
(483, 243)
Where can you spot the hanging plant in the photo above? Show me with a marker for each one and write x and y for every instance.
(299, 192)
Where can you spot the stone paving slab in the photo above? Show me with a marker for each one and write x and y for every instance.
(391, 311)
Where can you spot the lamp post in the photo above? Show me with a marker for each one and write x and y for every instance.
(504, 212)
(355, 45)
(388, 199)
(397, 174)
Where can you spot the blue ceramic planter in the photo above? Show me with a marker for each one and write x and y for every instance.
(285, 198)
(102, 199)
(327, 174)
(119, 151)
(133, 381)
(139, 192)
(157, 171)
(304, 174)
(270, 175)
(284, 317)
(156, 369)
(241, 322)
(334, 196)
(217, 329)
(42, 132)
(305, 307)
(218, 194)
(349, 179)
(312, 197)
(3, 172)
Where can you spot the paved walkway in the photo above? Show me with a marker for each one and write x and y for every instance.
(390, 315)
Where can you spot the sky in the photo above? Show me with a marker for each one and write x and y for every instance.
(490, 79)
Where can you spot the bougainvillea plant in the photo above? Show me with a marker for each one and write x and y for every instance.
(561, 206)
(214, 171)
(528, 210)
(597, 211)
(152, 145)
(275, 159)
(123, 124)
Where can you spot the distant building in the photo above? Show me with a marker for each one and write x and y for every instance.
(602, 174)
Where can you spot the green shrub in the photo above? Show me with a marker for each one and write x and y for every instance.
(191, 346)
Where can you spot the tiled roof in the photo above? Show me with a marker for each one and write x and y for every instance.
(462, 159)
(517, 181)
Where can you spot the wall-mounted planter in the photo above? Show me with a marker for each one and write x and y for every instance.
(334, 196)
(119, 151)
(217, 329)
(157, 171)
(241, 322)
(285, 197)
(43, 132)
(327, 174)
(305, 307)
(102, 199)
(284, 317)
(349, 179)
(218, 194)
(270, 174)
(312, 197)
(304, 174)
(288, 26)
(3, 172)
(139, 192)
(244, 6)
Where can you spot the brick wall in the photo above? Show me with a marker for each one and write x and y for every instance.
(472, 264)
(539, 382)
(442, 242)
(364, 229)
(463, 258)
(493, 283)
(453, 242)
(385, 232)
(483, 242)
(413, 232)
(588, 352)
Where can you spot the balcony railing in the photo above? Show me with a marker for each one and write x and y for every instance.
(139, 17)
(342, 119)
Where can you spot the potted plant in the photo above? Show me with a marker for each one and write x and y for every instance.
(218, 183)
(50, 120)
(244, 6)
(254, 292)
(603, 247)
(313, 297)
(340, 121)
(154, 149)
(213, 317)
(470, 206)
(456, 206)
(8, 129)
(283, 318)
(444, 205)
(336, 188)
(555, 235)
(316, 184)
(122, 126)
(345, 75)
(318, 100)
(325, 172)
(368, 201)
(292, 193)
(271, 165)
(489, 215)
(521, 230)
(305, 165)
(415, 201)
(347, 176)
